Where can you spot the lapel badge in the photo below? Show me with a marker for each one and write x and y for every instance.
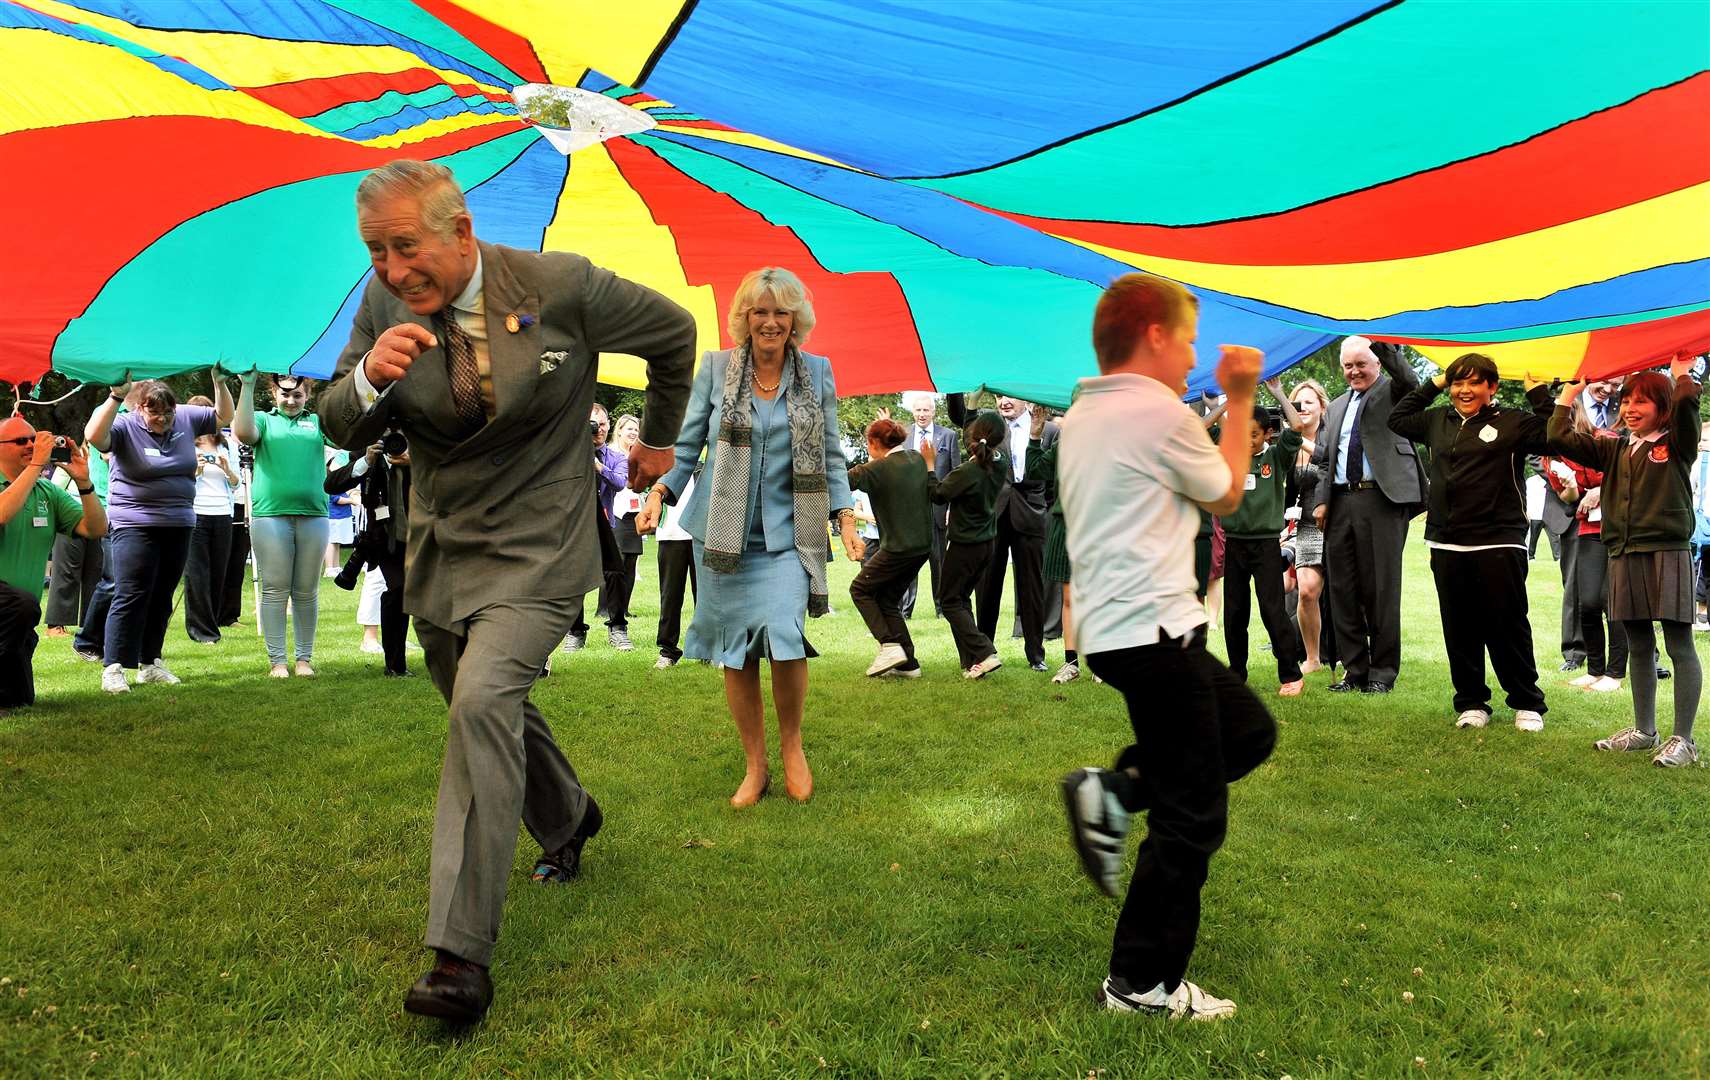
(512, 323)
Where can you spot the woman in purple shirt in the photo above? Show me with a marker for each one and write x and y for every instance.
(151, 504)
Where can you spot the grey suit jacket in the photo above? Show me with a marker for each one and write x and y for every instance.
(508, 511)
(1394, 459)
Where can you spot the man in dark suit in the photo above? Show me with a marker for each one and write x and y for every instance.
(485, 358)
(1021, 525)
(947, 445)
(385, 493)
(1374, 484)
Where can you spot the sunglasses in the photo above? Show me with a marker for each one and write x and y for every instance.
(28, 440)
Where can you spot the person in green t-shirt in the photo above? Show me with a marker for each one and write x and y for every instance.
(1252, 550)
(33, 511)
(288, 513)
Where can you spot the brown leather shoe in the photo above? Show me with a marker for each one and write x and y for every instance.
(453, 990)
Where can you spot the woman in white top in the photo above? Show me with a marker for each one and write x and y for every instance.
(210, 541)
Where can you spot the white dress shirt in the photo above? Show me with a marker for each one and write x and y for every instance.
(1019, 430)
(1349, 416)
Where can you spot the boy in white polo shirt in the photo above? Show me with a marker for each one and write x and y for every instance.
(1133, 443)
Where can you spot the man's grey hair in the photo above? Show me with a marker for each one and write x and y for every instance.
(432, 186)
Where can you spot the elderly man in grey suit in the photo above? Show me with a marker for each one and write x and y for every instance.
(947, 444)
(485, 357)
(1376, 485)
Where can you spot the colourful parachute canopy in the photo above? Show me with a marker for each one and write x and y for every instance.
(956, 182)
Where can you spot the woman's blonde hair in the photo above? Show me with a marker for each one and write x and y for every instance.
(1318, 391)
(786, 289)
(627, 418)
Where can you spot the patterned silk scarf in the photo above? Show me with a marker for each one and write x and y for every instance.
(727, 502)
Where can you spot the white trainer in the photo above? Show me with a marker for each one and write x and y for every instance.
(1187, 1001)
(1527, 720)
(1473, 718)
(664, 662)
(113, 680)
(1676, 752)
(984, 667)
(1068, 673)
(890, 655)
(1628, 740)
(1584, 680)
(157, 673)
(1605, 685)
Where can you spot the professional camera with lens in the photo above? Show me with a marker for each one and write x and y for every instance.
(393, 443)
(61, 449)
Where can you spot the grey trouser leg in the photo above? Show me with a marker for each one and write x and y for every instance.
(501, 764)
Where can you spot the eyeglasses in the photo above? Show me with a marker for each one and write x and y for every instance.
(28, 440)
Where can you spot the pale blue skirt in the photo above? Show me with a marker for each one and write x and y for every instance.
(760, 610)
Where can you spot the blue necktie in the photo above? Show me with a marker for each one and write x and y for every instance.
(1356, 449)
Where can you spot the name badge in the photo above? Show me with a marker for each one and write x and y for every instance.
(149, 451)
(1252, 481)
(1487, 434)
(41, 523)
(381, 513)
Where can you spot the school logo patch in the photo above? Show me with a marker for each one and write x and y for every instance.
(1659, 453)
(1265, 471)
(1487, 434)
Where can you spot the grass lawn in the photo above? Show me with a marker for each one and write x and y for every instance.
(229, 878)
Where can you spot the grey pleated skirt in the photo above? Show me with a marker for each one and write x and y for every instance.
(1308, 546)
(760, 610)
(1650, 585)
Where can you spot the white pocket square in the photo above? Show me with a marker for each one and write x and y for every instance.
(549, 361)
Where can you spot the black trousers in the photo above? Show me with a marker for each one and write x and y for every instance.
(19, 613)
(1567, 556)
(1197, 729)
(1535, 529)
(1604, 654)
(878, 591)
(148, 561)
(1028, 551)
(676, 566)
(1482, 598)
(1260, 563)
(237, 558)
(1363, 541)
(613, 602)
(77, 565)
(394, 624)
(964, 567)
(940, 530)
(205, 576)
(92, 631)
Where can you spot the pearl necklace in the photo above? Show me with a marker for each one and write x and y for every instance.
(762, 387)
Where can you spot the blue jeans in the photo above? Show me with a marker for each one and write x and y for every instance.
(147, 562)
(289, 550)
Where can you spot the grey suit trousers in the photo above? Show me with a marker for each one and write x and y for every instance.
(501, 764)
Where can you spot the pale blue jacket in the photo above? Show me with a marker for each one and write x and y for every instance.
(771, 491)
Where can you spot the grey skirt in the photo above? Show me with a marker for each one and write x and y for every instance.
(760, 610)
(1308, 546)
(1651, 585)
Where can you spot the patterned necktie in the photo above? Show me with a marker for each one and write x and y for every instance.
(1356, 448)
(460, 367)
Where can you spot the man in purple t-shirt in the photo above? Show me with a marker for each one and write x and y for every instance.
(611, 475)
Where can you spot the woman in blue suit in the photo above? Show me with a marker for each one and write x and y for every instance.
(766, 414)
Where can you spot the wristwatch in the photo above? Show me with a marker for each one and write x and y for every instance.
(90, 490)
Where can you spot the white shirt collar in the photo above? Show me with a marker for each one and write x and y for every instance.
(471, 299)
